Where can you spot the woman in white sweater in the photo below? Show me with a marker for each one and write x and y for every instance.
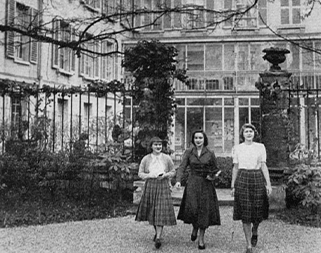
(250, 185)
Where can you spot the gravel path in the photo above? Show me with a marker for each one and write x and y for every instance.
(125, 235)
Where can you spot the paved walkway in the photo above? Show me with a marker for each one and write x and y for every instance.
(126, 235)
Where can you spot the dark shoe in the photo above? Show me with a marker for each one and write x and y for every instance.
(193, 237)
(158, 243)
(254, 240)
(201, 247)
(249, 250)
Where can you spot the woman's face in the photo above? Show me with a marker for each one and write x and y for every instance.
(157, 147)
(199, 139)
(248, 134)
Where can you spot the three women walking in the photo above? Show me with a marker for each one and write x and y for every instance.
(250, 186)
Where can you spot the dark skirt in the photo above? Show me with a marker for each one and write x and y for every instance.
(251, 203)
(156, 204)
(199, 204)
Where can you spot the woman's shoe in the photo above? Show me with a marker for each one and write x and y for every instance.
(193, 237)
(158, 243)
(201, 247)
(254, 240)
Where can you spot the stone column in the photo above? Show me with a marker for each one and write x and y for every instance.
(274, 107)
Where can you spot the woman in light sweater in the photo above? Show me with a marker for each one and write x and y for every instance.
(156, 204)
(250, 185)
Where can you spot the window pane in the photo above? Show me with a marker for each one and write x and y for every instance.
(213, 57)
(243, 57)
(229, 56)
(243, 116)
(285, 17)
(296, 16)
(228, 129)
(213, 129)
(284, 2)
(307, 58)
(195, 57)
(294, 57)
(180, 129)
(295, 2)
(194, 122)
(318, 56)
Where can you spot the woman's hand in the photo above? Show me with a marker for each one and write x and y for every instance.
(178, 185)
(232, 192)
(161, 176)
(269, 190)
(209, 178)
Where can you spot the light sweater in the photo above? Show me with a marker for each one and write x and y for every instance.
(150, 164)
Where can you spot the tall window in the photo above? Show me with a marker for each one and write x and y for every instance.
(290, 12)
(15, 111)
(253, 18)
(18, 46)
(108, 62)
(63, 58)
(89, 61)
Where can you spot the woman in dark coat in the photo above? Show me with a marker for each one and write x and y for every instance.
(199, 205)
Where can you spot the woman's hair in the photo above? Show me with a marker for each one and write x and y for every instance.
(204, 135)
(151, 141)
(248, 125)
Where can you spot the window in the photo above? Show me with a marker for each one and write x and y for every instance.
(108, 62)
(15, 111)
(20, 47)
(228, 83)
(152, 20)
(290, 12)
(194, 18)
(63, 58)
(195, 57)
(253, 18)
(213, 57)
(94, 4)
(212, 84)
(89, 61)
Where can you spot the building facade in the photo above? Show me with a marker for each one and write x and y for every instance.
(24, 62)
(224, 62)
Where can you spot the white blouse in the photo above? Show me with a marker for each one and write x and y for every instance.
(249, 156)
(156, 166)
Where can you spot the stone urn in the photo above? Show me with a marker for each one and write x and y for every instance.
(275, 56)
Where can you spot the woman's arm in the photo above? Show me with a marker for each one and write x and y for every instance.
(234, 175)
(141, 172)
(267, 177)
(182, 167)
(170, 167)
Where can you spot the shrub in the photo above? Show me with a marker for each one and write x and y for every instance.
(305, 184)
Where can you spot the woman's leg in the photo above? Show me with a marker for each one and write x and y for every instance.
(254, 237)
(194, 232)
(201, 238)
(159, 231)
(248, 234)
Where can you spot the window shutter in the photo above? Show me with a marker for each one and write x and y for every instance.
(73, 55)
(55, 53)
(34, 43)
(10, 35)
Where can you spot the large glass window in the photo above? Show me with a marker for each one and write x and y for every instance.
(229, 57)
(180, 130)
(194, 121)
(214, 128)
(213, 57)
(228, 129)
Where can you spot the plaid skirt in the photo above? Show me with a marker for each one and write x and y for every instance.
(199, 204)
(156, 204)
(251, 203)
